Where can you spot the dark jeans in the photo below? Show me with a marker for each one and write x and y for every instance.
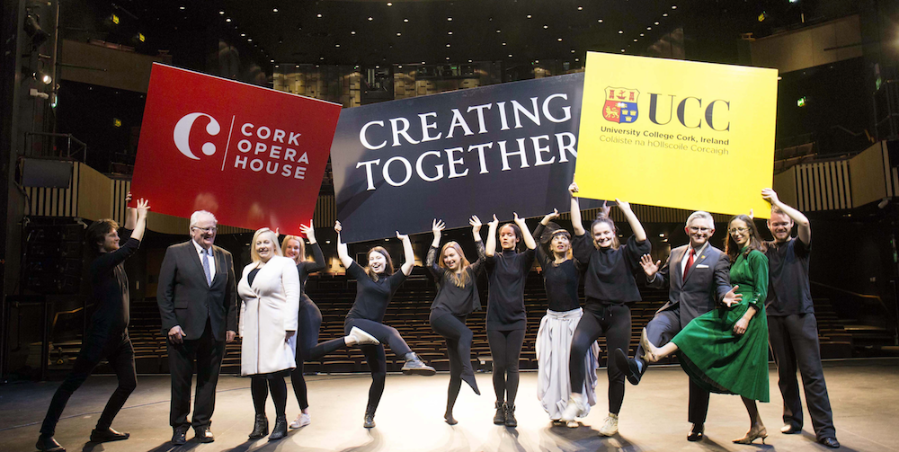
(208, 354)
(505, 348)
(660, 330)
(794, 339)
(118, 351)
(613, 320)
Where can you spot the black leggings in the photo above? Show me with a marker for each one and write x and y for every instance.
(309, 324)
(375, 355)
(613, 320)
(458, 347)
(120, 354)
(259, 387)
(505, 347)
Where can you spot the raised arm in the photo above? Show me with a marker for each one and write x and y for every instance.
(319, 258)
(143, 206)
(475, 223)
(490, 247)
(525, 233)
(130, 214)
(437, 227)
(409, 255)
(803, 227)
(342, 253)
(576, 211)
(639, 232)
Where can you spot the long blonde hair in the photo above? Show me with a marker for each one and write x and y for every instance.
(253, 254)
(301, 256)
(460, 279)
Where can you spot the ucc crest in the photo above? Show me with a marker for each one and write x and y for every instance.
(621, 105)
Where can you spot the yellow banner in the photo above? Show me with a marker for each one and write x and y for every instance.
(679, 134)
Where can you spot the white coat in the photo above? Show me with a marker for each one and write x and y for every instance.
(268, 310)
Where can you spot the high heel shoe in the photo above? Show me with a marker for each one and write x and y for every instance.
(757, 431)
(648, 348)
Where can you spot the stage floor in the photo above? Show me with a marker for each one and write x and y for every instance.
(864, 395)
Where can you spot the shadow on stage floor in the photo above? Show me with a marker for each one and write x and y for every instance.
(864, 395)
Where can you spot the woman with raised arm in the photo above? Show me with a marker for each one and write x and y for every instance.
(561, 275)
(107, 336)
(457, 296)
(609, 286)
(507, 272)
(726, 350)
(310, 322)
(375, 286)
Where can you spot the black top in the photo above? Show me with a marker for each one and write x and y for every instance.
(507, 272)
(561, 280)
(252, 275)
(788, 290)
(452, 299)
(304, 268)
(372, 297)
(109, 285)
(610, 272)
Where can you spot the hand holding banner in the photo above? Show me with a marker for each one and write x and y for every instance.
(252, 156)
(678, 134)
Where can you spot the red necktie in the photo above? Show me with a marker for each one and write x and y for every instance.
(689, 262)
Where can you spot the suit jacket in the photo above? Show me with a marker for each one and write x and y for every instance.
(186, 299)
(708, 280)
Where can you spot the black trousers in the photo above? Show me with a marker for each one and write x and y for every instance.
(794, 340)
(208, 354)
(660, 330)
(375, 355)
(117, 350)
(505, 348)
(613, 320)
(309, 325)
(458, 346)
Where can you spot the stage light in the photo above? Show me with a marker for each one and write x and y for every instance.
(529, 16)
(449, 32)
(116, 122)
(399, 34)
(763, 16)
(141, 37)
(801, 101)
(274, 10)
(228, 20)
(46, 79)
(114, 19)
(354, 32)
(599, 21)
(221, 12)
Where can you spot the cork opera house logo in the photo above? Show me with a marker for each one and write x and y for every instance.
(181, 134)
(621, 105)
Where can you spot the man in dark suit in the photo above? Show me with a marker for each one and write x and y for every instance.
(197, 298)
(698, 276)
(792, 327)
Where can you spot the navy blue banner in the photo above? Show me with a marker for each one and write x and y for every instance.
(493, 150)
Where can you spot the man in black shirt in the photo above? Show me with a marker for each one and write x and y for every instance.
(107, 336)
(792, 327)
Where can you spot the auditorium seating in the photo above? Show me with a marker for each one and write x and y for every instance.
(408, 313)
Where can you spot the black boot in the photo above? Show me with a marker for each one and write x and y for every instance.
(500, 417)
(280, 429)
(369, 418)
(415, 366)
(260, 427)
(509, 411)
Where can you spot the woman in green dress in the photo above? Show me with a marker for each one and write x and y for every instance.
(726, 350)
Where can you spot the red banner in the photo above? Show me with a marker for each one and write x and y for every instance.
(252, 156)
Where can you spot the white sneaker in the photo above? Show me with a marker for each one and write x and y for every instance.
(576, 408)
(610, 428)
(302, 420)
(363, 338)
